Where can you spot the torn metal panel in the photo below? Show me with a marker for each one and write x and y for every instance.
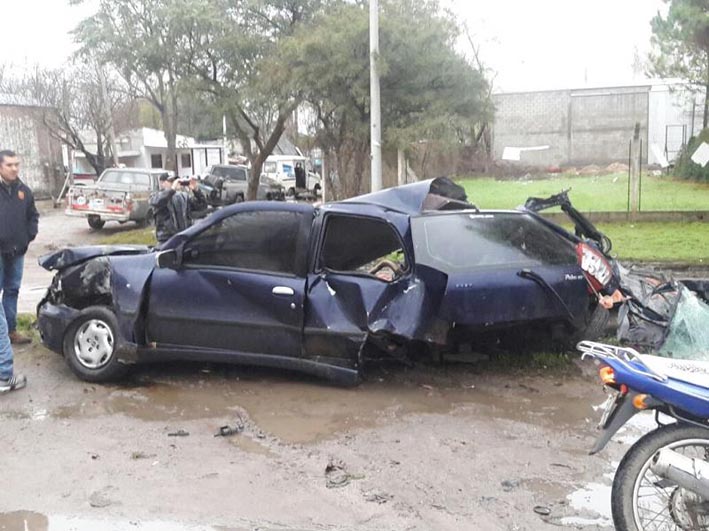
(411, 198)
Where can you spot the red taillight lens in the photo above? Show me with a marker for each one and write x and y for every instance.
(597, 269)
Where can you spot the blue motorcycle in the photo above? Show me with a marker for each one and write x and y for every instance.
(662, 482)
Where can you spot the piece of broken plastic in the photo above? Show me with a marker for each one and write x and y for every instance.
(688, 336)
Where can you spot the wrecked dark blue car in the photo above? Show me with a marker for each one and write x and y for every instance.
(409, 271)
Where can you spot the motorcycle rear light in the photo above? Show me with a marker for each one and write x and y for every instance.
(640, 401)
(607, 375)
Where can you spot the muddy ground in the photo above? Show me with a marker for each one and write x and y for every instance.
(448, 447)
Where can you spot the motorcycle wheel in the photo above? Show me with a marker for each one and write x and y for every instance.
(642, 501)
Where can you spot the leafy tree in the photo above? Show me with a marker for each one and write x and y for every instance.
(681, 45)
(75, 109)
(140, 38)
(233, 51)
(428, 90)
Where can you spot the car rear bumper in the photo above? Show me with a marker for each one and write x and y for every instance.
(106, 216)
(53, 320)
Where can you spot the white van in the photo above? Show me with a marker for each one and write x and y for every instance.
(282, 169)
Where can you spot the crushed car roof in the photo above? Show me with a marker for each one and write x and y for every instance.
(412, 199)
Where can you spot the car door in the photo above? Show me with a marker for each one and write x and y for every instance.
(240, 286)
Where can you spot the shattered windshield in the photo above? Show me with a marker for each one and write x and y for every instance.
(464, 240)
(688, 336)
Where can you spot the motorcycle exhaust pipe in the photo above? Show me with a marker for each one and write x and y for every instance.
(689, 473)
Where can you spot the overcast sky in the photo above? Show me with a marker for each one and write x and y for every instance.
(529, 44)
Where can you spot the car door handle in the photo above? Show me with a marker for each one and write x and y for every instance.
(283, 290)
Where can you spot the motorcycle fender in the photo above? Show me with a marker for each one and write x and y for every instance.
(623, 411)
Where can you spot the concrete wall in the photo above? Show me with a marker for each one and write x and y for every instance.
(579, 126)
(40, 155)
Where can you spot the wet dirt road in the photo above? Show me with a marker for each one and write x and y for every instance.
(432, 448)
(445, 448)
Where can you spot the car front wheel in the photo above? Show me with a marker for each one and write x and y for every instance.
(90, 346)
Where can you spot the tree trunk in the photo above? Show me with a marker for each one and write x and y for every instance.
(169, 128)
(263, 153)
(705, 120)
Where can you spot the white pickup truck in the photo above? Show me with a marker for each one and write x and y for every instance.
(119, 194)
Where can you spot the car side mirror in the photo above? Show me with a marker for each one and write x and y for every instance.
(168, 259)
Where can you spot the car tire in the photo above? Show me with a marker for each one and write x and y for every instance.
(290, 192)
(90, 346)
(238, 198)
(595, 327)
(316, 190)
(95, 222)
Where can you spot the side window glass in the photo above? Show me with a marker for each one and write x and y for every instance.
(362, 246)
(259, 241)
(240, 174)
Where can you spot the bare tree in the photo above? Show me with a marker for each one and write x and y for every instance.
(74, 109)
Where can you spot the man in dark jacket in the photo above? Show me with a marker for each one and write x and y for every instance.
(172, 206)
(18, 227)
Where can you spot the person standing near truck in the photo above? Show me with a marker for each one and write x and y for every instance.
(173, 204)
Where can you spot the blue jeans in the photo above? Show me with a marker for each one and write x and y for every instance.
(10, 280)
(5, 349)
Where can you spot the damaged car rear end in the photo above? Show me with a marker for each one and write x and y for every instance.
(409, 270)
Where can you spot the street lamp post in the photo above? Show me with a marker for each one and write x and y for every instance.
(375, 106)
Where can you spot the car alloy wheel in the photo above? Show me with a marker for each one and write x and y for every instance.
(93, 344)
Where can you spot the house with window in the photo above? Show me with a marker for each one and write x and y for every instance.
(147, 148)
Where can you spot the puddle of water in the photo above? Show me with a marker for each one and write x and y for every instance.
(307, 411)
(247, 444)
(31, 521)
(594, 498)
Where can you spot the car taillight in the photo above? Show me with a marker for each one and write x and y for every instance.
(598, 270)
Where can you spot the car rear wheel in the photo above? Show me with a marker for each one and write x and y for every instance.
(148, 221)
(95, 222)
(316, 190)
(90, 345)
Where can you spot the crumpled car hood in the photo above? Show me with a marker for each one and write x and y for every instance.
(73, 255)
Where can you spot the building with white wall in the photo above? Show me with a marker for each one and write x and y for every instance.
(147, 148)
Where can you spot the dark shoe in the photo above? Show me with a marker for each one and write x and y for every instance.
(16, 382)
(18, 339)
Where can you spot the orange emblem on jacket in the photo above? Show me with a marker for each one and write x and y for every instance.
(21, 195)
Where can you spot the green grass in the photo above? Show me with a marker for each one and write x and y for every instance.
(144, 236)
(662, 242)
(607, 193)
(26, 325)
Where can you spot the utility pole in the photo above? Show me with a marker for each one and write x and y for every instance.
(375, 104)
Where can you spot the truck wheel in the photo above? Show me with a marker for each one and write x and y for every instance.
(290, 192)
(316, 190)
(90, 346)
(95, 222)
(239, 198)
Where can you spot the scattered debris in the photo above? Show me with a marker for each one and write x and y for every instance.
(377, 497)
(226, 431)
(141, 455)
(100, 499)
(509, 485)
(178, 433)
(336, 475)
(542, 510)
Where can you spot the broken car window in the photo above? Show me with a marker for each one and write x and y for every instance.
(364, 246)
(458, 241)
(260, 241)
